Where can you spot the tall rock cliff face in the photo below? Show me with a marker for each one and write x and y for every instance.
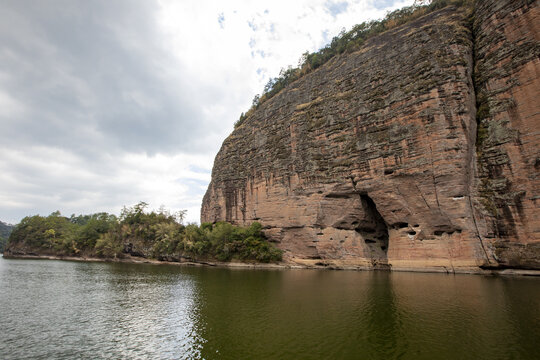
(374, 160)
(507, 49)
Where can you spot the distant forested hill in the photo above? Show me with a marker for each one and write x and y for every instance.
(5, 230)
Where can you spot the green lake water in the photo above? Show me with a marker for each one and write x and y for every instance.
(75, 310)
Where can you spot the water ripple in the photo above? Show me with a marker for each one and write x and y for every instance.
(66, 310)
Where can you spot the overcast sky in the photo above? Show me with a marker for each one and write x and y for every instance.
(105, 103)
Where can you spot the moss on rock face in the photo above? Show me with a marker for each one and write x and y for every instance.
(482, 106)
(391, 118)
(513, 255)
(400, 116)
(505, 55)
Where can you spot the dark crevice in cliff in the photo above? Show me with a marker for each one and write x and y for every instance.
(481, 106)
(387, 119)
(374, 231)
(499, 143)
(433, 178)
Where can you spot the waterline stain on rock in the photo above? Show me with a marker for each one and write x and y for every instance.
(449, 162)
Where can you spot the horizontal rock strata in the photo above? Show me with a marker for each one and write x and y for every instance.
(372, 160)
(507, 48)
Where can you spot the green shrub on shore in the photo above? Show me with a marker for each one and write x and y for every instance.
(159, 235)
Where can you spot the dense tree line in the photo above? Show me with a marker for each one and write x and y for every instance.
(137, 232)
(346, 42)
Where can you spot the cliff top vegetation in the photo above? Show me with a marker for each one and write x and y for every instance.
(346, 42)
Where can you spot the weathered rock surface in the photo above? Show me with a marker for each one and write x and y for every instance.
(372, 160)
(507, 51)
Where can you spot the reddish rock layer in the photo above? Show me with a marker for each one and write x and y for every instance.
(370, 161)
(507, 49)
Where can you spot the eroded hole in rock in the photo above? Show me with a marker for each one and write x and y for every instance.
(365, 230)
(400, 225)
(374, 230)
(337, 196)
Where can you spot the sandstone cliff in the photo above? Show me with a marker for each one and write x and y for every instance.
(419, 151)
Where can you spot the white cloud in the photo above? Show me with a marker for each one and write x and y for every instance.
(105, 104)
(43, 179)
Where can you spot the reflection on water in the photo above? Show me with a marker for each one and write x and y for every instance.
(53, 309)
(368, 315)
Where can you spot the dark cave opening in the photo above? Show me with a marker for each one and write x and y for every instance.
(374, 230)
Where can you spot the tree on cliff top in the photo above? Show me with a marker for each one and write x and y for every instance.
(346, 42)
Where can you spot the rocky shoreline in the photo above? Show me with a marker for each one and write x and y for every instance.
(140, 260)
(419, 150)
(292, 264)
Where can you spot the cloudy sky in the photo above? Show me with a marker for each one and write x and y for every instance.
(105, 103)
